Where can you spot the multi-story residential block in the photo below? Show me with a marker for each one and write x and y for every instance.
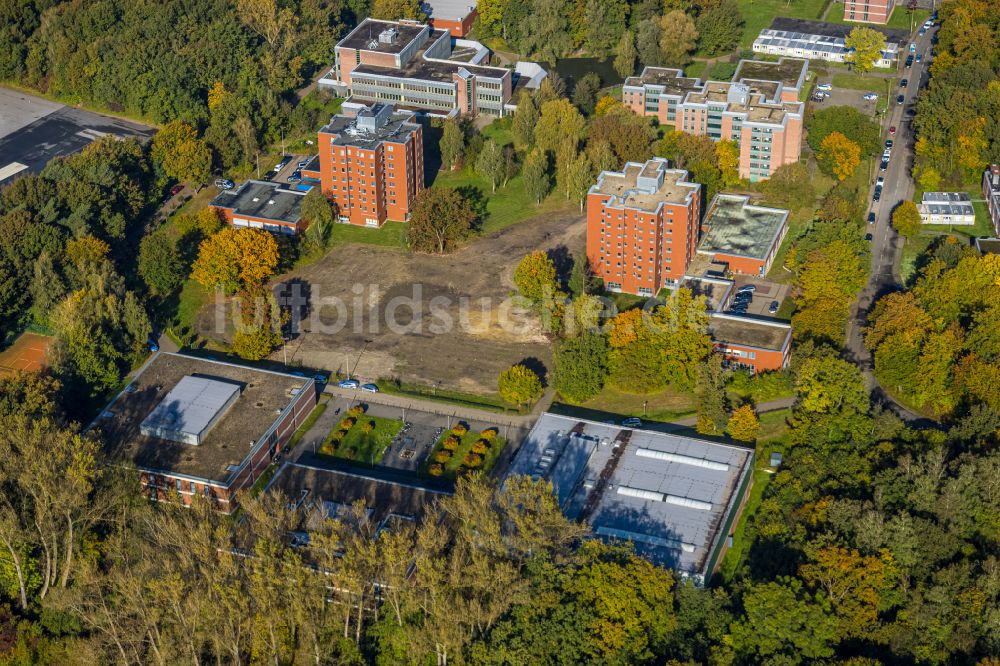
(954, 208)
(759, 109)
(819, 40)
(991, 191)
(370, 163)
(261, 204)
(414, 66)
(195, 427)
(642, 226)
(744, 237)
(868, 11)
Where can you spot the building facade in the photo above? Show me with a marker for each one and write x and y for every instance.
(371, 164)
(455, 16)
(815, 47)
(415, 66)
(991, 192)
(952, 208)
(868, 11)
(759, 110)
(642, 226)
(756, 345)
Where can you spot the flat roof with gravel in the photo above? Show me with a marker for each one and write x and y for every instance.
(737, 228)
(262, 399)
(768, 335)
(790, 72)
(262, 199)
(646, 186)
(672, 496)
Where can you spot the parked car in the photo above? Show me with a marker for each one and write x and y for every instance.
(892, 130)
(824, 86)
(632, 422)
(913, 47)
(903, 83)
(884, 165)
(321, 378)
(877, 195)
(871, 97)
(871, 217)
(747, 287)
(348, 384)
(369, 388)
(773, 307)
(900, 99)
(909, 61)
(224, 184)
(153, 345)
(176, 189)
(920, 57)
(880, 181)
(303, 164)
(868, 237)
(887, 153)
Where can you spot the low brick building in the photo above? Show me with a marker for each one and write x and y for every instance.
(371, 164)
(868, 11)
(744, 237)
(759, 109)
(192, 426)
(642, 226)
(259, 204)
(753, 344)
(455, 16)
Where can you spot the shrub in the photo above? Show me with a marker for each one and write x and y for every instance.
(435, 470)
(442, 456)
(356, 410)
(451, 443)
(480, 448)
(460, 429)
(353, 451)
(368, 426)
(472, 460)
(348, 423)
(342, 433)
(489, 434)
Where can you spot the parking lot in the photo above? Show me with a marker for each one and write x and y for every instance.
(34, 130)
(765, 293)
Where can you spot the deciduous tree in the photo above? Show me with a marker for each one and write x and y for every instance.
(864, 48)
(625, 54)
(535, 277)
(181, 154)
(559, 122)
(236, 259)
(441, 217)
(720, 27)
(678, 38)
(536, 175)
(839, 156)
(452, 143)
(906, 220)
(743, 424)
(581, 366)
(519, 385)
(490, 163)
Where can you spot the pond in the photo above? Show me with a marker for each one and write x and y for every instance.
(571, 69)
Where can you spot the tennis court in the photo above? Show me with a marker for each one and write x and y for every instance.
(28, 353)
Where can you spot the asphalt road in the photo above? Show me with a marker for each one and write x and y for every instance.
(886, 244)
(34, 130)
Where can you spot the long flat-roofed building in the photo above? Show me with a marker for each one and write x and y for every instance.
(371, 164)
(820, 40)
(748, 343)
(260, 204)
(759, 109)
(642, 226)
(952, 208)
(192, 426)
(415, 66)
(744, 236)
(675, 498)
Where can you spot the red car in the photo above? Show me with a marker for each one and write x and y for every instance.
(176, 189)
(892, 131)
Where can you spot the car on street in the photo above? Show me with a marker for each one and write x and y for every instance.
(909, 61)
(632, 422)
(880, 181)
(920, 57)
(224, 184)
(320, 378)
(870, 97)
(884, 165)
(877, 195)
(152, 344)
(369, 388)
(892, 130)
(773, 307)
(887, 153)
(913, 47)
(348, 384)
(824, 87)
(868, 237)
(871, 218)
(903, 83)
(923, 30)
(282, 164)
(900, 99)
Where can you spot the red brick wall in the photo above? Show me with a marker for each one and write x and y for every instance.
(227, 216)
(742, 265)
(456, 28)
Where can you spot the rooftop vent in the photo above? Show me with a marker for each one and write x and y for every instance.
(388, 36)
(270, 202)
(654, 496)
(256, 199)
(682, 459)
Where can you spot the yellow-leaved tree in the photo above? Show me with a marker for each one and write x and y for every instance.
(839, 156)
(743, 424)
(236, 259)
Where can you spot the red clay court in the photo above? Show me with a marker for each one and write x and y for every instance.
(27, 353)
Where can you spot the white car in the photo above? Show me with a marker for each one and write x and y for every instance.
(880, 181)
(871, 97)
(824, 86)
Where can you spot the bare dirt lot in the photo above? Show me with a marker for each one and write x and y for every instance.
(447, 321)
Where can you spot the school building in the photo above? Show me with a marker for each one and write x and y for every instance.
(642, 226)
(192, 426)
(759, 109)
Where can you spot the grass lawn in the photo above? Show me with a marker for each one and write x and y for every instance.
(696, 69)
(360, 446)
(867, 82)
(450, 468)
(900, 19)
(758, 14)
(391, 234)
(490, 402)
(190, 301)
(763, 387)
(667, 405)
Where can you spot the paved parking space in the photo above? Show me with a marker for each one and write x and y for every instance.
(33, 130)
(765, 293)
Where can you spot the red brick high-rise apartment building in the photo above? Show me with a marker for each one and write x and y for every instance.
(371, 164)
(868, 11)
(642, 226)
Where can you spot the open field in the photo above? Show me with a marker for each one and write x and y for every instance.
(758, 14)
(27, 353)
(611, 403)
(437, 321)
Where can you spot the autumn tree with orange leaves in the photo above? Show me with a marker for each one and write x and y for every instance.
(838, 156)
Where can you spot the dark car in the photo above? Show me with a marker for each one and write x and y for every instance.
(877, 195)
(871, 218)
(868, 237)
(773, 307)
(909, 61)
(888, 143)
(884, 165)
(902, 83)
(900, 99)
